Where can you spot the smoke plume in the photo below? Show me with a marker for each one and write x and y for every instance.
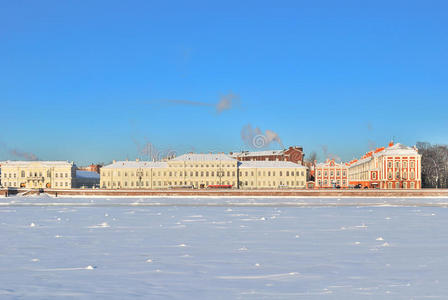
(329, 155)
(23, 155)
(256, 139)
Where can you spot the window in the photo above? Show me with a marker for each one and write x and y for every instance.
(331, 173)
(287, 173)
(373, 175)
(344, 173)
(318, 173)
(389, 164)
(412, 165)
(405, 165)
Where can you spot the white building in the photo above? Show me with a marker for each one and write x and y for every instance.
(38, 174)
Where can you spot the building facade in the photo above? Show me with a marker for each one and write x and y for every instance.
(188, 170)
(202, 171)
(394, 167)
(38, 174)
(331, 175)
(292, 154)
(271, 175)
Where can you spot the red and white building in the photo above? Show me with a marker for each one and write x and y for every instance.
(331, 175)
(394, 167)
(293, 154)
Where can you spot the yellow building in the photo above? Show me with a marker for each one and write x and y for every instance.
(271, 174)
(38, 174)
(201, 171)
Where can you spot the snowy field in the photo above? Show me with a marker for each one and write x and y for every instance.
(239, 248)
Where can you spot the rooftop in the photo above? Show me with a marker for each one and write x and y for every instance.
(136, 164)
(269, 164)
(257, 153)
(25, 163)
(203, 157)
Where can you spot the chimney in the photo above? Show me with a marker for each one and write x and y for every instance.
(391, 143)
(114, 161)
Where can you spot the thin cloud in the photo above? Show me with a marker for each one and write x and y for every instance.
(226, 102)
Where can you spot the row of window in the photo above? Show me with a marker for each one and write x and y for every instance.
(160, 183)
(338, 182)
(411, 185)
(174, 173)
(287, 173)
(397, 175)
(34, 174)
(180, 183)
(205, 173)
(203, 166)
(338, 173)
(404, 164)
(16, 184)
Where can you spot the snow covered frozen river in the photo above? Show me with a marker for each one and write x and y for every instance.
(195, 249)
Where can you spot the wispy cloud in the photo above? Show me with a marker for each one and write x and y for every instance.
(226, 102)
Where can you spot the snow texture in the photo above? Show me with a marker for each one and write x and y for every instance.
(199, 248)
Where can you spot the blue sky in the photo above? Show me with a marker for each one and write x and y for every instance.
(92, 81)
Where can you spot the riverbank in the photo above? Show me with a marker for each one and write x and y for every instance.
(233, 193)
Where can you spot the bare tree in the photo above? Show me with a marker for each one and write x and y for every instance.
(434, 165)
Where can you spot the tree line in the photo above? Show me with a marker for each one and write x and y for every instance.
(434, 165)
